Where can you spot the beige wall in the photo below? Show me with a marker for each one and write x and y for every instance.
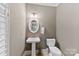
(67, 27)
(46, 16)
(17, 28)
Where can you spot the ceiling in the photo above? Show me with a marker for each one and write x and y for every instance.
(48, 4)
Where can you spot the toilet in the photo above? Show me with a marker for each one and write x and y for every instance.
(53, 51)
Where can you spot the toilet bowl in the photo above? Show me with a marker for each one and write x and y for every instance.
(53, 51)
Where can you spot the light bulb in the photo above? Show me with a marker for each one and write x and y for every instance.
(33, 16)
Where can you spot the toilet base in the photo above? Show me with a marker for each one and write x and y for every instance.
(50, 54)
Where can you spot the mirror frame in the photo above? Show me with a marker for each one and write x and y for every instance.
(30, 25)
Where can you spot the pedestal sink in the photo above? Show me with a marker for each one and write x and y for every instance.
(33, 40)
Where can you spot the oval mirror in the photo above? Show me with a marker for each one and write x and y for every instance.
(33, 26)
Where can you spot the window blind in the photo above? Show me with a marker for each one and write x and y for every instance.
(3, 29)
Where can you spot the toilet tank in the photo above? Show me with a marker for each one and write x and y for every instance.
(51, 42)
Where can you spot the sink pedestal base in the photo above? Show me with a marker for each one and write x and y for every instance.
(33, 49)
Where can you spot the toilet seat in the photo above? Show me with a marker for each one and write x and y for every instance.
(55, 51)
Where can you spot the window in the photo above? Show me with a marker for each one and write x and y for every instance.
(4, 29)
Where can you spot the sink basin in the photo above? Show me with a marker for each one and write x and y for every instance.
(33, 40)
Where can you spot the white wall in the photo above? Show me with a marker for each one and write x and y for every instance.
(67, 27)
(17, 28)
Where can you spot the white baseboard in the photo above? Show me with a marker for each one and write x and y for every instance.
(44, 52)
